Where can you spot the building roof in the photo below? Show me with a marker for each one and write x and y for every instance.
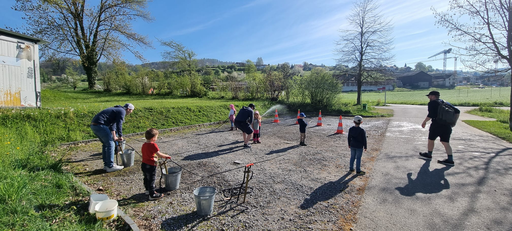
(13, 34)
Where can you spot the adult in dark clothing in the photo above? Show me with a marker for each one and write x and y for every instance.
(437, 130)
(105, 125)
(243, 121)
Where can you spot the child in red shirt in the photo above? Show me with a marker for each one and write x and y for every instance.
(150, 154)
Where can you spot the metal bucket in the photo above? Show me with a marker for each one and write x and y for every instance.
(172, 178)
(204, 197)
(128, 157)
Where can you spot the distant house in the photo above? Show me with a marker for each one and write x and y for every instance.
(415, 80)
(444, 80)
(20, 84)
(349, 84)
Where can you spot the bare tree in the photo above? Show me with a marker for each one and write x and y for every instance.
(183, 59)
(484, 28)
(91, 32)
(368, 43)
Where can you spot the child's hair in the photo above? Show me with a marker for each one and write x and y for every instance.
(257, 113)
(151, 133)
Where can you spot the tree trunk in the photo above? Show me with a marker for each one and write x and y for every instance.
(510, 111)
(90, 67)
(359, 81)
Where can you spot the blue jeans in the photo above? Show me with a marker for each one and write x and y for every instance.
(105, 136)
(355, 154)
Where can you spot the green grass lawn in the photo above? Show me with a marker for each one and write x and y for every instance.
(499, 128)
(492, 96)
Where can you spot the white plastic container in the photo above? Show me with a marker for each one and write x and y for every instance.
(94, 200)
(106, 210)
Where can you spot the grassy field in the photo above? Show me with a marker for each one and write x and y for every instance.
(499, 128)
(492, 96)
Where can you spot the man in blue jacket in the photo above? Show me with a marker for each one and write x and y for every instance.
(105, 125)
(243, 122)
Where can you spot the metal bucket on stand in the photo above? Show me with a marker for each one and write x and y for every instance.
(128, 157)
(172, 178)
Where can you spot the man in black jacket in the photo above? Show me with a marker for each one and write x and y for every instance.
(243, 122)
(437, 130)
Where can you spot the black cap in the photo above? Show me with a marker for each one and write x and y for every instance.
(433, 93)
(252, 106)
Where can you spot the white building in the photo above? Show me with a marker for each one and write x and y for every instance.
(20, 84)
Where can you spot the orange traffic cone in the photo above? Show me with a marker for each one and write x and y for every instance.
(276, 118)
(340, 126)
(319, 119)
(298, 116)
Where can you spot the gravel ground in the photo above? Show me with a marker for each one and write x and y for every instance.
(292, 188)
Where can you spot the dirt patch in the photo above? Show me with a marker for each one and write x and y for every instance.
(293, 187)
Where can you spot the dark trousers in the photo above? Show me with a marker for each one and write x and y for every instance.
(149, 172)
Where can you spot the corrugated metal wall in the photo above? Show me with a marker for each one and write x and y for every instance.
(19, 74)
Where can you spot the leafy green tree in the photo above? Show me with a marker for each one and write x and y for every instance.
(250, 67)
(368, 43)
(255, 85)
(232, 67)
(117, 78)
(420, 67)
(321, 87)
(274, 84)
(89, 30)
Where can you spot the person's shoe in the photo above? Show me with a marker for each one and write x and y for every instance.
(247, 146)
(303, 144)
(231, 129)
(114, 168)
(361, 173)
(351, 170)
(425, 155)
(155, 196)
(446, 162)
(258, 142)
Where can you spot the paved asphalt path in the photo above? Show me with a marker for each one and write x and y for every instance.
(409, 193)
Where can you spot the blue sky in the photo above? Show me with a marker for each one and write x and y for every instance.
(279, 31)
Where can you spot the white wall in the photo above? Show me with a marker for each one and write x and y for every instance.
(20, 84)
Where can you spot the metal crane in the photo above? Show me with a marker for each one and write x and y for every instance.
(445, 52)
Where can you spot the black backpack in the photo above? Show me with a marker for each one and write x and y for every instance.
(447, 114)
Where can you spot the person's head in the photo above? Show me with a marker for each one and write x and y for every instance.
(252, 106)
(302, 115)
(433, 95)
(358, 120)
(151, 134)
(256, 114)
(232, 106)
(129, 108)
